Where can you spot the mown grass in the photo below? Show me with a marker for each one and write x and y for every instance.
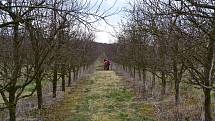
(107, 100)
(101, 98)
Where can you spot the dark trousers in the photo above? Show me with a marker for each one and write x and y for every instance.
(106, 67)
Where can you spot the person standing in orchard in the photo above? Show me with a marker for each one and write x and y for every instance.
(106, 64)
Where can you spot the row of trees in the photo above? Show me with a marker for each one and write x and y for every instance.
(44, 37)
(170, 39)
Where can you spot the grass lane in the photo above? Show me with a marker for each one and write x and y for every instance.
(102, 97)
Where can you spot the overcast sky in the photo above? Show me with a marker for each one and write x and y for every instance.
(105, 35)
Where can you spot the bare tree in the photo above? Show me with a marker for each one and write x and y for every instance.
(32, 38)
(181, 35)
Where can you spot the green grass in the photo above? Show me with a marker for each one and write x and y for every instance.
(120, 95)
(107, 101)
(79, 117)
(102, 99)
(31, 86)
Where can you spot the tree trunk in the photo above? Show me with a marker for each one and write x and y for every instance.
(177, 92)
(207, 105)
(15, 74)
(177, 81)
(63, 82)
(144, 78)
(39, 93)
(74, 78)
(63, 72)
(130, 71)
(70, 78)
(74, 74)
(153, 82)
(54, 82)
(139, 74)
(36, 54)
(134, 72)
(209, 66)
(163, 77)
(12, 113)
(12, 106)
(77, 74)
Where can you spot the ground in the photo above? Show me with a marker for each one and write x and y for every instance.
(114, 96)
(102, 96)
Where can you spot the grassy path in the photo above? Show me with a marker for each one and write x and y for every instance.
(101, 97)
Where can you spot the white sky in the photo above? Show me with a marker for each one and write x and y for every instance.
(106, 32)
